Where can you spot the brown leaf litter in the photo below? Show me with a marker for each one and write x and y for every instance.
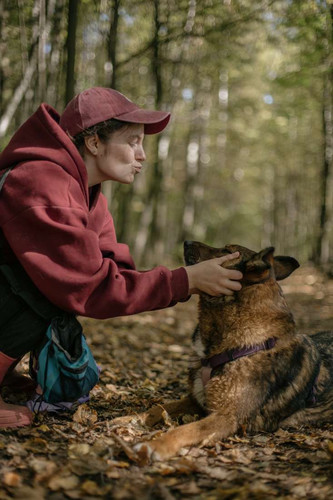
(144, 360)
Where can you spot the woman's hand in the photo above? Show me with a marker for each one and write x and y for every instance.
(209, 277)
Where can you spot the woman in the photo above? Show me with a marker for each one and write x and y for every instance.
(57, 233)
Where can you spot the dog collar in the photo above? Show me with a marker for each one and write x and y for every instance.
(232, 354)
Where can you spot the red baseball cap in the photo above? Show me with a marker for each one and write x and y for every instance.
(99, 104)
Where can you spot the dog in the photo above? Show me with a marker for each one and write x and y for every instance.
(250, 370)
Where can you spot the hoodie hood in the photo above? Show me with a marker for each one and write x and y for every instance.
(68, 247)
(41, 138)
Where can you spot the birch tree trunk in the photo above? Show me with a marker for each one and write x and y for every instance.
(30, 70)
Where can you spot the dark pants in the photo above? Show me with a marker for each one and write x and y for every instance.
(21, 328)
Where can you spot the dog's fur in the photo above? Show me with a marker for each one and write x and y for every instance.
(287, 385)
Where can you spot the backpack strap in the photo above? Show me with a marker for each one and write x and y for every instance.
(2, 181)
(19, 281)
(4, 176)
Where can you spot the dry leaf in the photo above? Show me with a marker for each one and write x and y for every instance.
(43, 428)
(132, 455)
(120, 464)
(330, 448)
(185, 466)
(11, 479)
(85, 415)
(166, 418)
(43, 468)
(113, 474)
(63, 482)
(74, 494)
(189, 488)
(91, 488)
(16, 449)
(78, 450)
(28, 493)
(83, 459)
(187, 419)
(36, 445)
(88, 464)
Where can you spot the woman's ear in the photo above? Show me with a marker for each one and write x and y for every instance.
(91, 143)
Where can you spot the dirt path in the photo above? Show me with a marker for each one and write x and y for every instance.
(144, 360)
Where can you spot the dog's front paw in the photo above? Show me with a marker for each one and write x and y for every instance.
(146, 452)
(154, 451)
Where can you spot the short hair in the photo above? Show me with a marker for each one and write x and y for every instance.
(104, 130)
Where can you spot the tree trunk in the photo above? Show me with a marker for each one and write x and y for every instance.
(155, 188)
(2, 52)
(112, 42)
(27, 77)
(149, 227)
(71, 48)
(56, 70)
(41, 52)
(323, 251)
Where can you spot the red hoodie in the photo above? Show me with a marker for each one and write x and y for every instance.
(66, 243)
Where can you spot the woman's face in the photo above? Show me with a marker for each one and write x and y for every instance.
(120, 158)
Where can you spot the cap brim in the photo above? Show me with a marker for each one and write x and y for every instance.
(153, 121)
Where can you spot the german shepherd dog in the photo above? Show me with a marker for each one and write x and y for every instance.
(250, 369)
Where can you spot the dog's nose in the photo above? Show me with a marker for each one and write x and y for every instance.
(187, 243)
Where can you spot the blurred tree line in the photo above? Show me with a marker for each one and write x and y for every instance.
(247, 156)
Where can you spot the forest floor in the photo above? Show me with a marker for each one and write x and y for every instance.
(144, 360)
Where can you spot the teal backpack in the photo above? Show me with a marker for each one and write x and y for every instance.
(66, 369)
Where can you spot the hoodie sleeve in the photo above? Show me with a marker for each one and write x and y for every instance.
(68, 248)
(72, 255)
(62, 257)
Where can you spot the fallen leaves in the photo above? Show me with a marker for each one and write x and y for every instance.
(36, 445)
(16, 449)
(85, 460)
(330, 448)
(63, 481)
(11, 479)
(82, 455)
(43, 468)
(141, 457)
(85, 415)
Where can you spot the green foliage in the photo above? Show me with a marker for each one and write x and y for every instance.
(244, 81)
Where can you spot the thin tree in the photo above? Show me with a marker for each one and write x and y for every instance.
(112, 41)
(149, 230)
(71, 48)
(42, 52)
(29, 72)
(323, 250)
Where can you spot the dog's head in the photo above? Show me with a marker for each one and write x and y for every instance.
(256, 267)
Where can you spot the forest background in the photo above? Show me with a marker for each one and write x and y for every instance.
(247, 156)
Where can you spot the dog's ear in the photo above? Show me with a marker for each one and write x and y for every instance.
(284, 266)
(261, 260)
(257, 268)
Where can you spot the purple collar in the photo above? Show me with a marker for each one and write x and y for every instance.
(227, 356)
(209, 364)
